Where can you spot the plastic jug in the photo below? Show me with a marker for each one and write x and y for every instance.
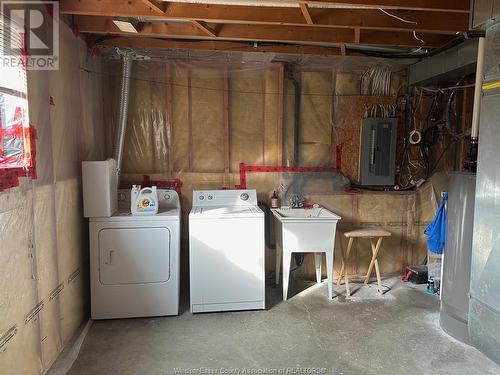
(144, 201)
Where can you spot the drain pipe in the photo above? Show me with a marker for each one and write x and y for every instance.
(471, 164)
(123, 112)
(296, 124)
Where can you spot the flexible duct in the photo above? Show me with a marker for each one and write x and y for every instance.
(123, 113)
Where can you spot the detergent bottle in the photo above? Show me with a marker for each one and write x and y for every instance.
(144, 201)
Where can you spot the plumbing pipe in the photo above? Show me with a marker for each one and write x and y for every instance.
(478, 89)
(123, 113)
(274, 169)
(471, 164)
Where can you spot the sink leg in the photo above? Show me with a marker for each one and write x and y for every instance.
(317, 262)
(287, 258)
(278, 263)
(329, 271)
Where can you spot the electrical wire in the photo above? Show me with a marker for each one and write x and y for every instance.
(379, 91)
(417, 38)
(396, 17)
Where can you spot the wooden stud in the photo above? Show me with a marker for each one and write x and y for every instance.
(357, 33)
(227, 134)
(342, 49)
(263, 129)
(305, 12)
(281, 80)
(200, 25)
(170, 134)
(155, 5)
(190, 121)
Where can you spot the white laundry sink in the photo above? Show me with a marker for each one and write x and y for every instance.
(305, 230)
(309, 214)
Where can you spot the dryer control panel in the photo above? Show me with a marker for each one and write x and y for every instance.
(226, 198)
(166, 198)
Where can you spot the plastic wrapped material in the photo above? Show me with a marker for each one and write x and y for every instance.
(43, 236)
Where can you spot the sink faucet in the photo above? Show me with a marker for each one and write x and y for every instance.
(296, 201)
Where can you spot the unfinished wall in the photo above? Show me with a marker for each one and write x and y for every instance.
(197, 120)
(43, 236)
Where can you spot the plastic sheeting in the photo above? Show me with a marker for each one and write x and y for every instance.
(206, 116)
(43, 237)
(197, 117)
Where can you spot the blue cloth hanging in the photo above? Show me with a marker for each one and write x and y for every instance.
(436, 231)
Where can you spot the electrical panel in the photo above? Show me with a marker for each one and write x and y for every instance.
(378, 151)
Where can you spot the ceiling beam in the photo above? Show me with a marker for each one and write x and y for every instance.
(369, 19)
(266, 33)
(305, 12)
(210, 45)
(460, 6)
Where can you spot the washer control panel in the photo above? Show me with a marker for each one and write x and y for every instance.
(225, 198)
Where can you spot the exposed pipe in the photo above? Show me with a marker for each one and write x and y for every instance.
(472, 162)
(296, 125)
(123, 112)
(452, 43)
(478, 88)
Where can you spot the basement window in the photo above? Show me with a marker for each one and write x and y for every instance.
(15, 142)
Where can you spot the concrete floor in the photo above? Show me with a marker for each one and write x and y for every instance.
(397, 333)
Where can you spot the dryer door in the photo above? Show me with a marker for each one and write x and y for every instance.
(134, 255)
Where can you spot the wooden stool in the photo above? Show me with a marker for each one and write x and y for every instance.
(372, 234)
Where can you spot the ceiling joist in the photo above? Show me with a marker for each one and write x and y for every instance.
(459, 6)
(317, 22)
(369, 19)
(265, 33)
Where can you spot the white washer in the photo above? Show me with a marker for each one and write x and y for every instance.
(134, 260)
(226, 251)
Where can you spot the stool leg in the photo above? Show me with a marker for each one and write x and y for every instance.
(287, 258)
(329, 271)
(344, 259)
(278, 263)
(377, 269)
(317, 262)
(374, 259)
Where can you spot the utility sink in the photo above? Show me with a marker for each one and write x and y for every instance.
(310, 214)
(300, 230)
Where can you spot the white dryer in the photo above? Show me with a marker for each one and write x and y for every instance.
(134, 260)
(226, 251)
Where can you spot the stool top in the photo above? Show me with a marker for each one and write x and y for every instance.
(368, 232)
